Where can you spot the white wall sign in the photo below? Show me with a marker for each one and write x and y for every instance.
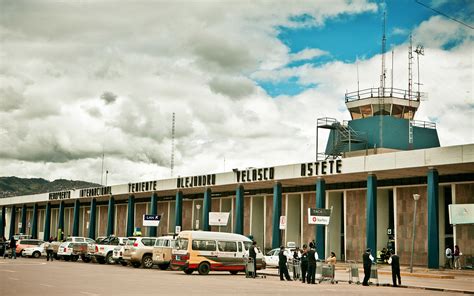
(282, 222)
(461, 214)
(177, 229)
(151, 220)
(319, 216)
(218, 218)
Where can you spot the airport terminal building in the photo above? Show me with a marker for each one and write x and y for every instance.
(371, 169)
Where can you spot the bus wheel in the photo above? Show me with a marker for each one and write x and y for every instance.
(204, 268)
(234, 272)
(188, 271)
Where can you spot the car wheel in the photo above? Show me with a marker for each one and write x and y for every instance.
(136, 264)
(21, 253)
(234, 272)
(109, 258)
(86, 259)
(188, 271)
(124, 263)
(36, 254)
(100, 260)
(164, 266)
(147, 261)
(74, 258)
(204, 268)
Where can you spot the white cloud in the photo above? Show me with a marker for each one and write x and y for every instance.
(196, 60)
(307, 54)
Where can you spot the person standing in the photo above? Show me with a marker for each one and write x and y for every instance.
(456, 254)
(331, 260)
(367, 262)
(282, 259)
(449, 257)
(304, 262)
(253, 254)
(394, 260)
(49, 249)
(13, 247)
(4, 247)
(312, 258)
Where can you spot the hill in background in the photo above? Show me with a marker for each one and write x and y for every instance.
(13, 186)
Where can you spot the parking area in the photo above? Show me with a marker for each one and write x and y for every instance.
(26, 276)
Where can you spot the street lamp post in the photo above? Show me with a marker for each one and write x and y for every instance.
(198, 207)
(416, 197)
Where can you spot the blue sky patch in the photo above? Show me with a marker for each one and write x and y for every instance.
(350, 37)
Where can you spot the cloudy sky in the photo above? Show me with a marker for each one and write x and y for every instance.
(246, 80)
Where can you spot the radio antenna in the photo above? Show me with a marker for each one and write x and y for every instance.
(419, 51)
(172, 144)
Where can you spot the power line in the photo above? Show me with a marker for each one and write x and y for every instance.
(444, 14)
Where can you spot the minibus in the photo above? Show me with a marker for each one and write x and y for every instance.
(204, 251)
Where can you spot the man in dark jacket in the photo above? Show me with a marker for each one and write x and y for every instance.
(312, 257)
(395, 262)
(282, 259)
(304, 262)
(253, 255)
(367, 262)
(13, 247)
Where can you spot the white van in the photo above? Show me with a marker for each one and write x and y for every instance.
(206, 250)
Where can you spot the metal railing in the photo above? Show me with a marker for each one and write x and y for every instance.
(384, 93)
(423, 124)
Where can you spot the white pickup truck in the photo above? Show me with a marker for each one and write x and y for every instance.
(104, 250)
(75, 247)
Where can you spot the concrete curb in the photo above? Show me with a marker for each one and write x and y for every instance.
(402, 286)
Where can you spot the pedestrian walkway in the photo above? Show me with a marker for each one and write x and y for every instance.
(459, 281)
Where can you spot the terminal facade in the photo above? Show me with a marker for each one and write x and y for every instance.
(371, 197)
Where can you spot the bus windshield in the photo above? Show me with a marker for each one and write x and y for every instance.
(182, 243)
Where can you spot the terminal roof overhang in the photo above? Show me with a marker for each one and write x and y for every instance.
(453, 160)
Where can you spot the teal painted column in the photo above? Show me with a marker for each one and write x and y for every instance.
(2, 222)
(92, 214)
(75, 224)
(34, 223)
(433, 219)
(61, 220)
(321, 229)
(239, 210)
(371, 214)
(12, 222)
(206, 208)
(23, 219)
(153, 211)
(47, 222)
(130, 215)
(276, 215)
(110, 216)
(178, 210)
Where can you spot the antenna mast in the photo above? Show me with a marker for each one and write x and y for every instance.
(419, 51)
(382, 76)
(391, 76)
(410, 74)
(172, 144)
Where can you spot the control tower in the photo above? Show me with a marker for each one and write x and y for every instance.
(383, 119)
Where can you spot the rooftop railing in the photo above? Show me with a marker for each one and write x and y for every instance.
(384, 93)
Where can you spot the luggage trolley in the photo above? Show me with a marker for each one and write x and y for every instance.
(327, 273)
(295, 267)
(353, 272)
(374, 273)
(249, 268)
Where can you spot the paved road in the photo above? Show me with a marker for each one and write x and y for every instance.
(26, 276)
